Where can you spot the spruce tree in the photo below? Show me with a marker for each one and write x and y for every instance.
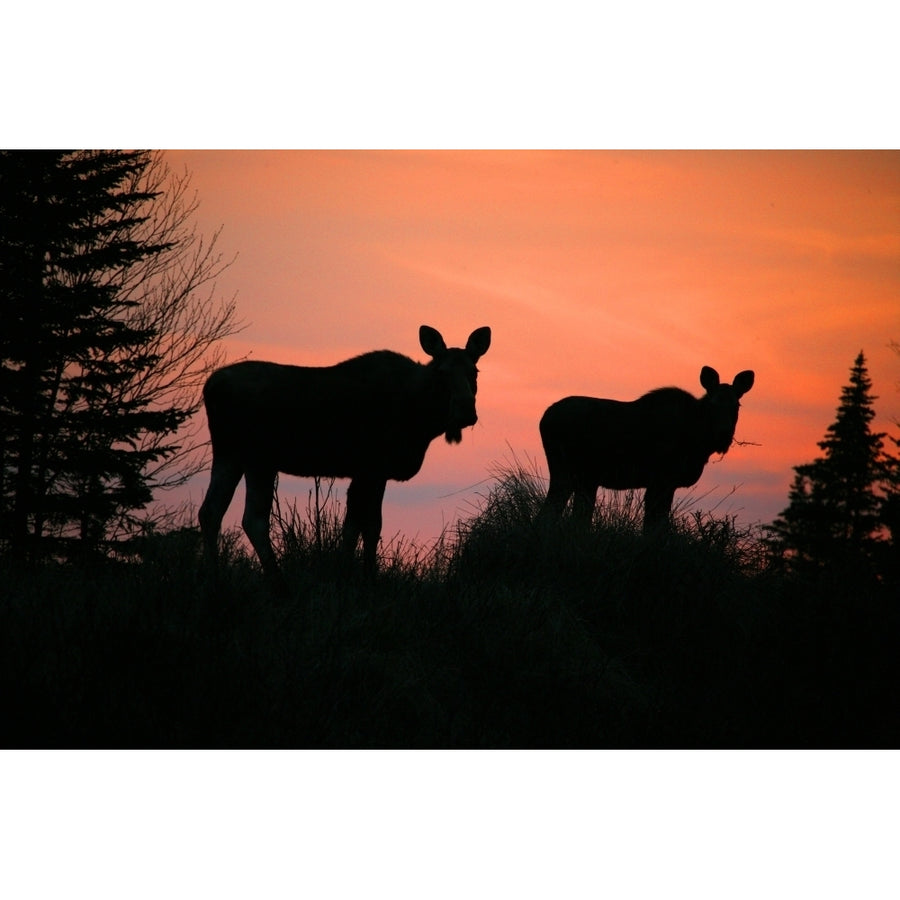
(890, 515)
(834, 508)
(69, 351)
(890, 504)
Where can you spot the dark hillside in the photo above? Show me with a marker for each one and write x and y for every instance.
(507, 634)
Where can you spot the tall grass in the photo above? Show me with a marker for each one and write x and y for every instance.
(509, 631)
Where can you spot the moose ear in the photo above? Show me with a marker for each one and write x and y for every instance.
(431, 341)
(478, 343)
(743, 381)
(709, 378)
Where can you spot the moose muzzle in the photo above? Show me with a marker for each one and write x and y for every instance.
(462, 415)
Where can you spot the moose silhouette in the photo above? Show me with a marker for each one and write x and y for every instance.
(661, 441)
(369, 419)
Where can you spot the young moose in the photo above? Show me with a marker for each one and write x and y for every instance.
(369, 419)
(660, 442)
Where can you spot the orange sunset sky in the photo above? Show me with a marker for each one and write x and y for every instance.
(604, 273)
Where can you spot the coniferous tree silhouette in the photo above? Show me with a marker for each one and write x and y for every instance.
(78, 428)
(890, 503)
(834, 509)
(890, 515)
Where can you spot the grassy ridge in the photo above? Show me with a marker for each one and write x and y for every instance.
(509, 633)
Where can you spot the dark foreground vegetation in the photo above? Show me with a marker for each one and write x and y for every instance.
(509, 635)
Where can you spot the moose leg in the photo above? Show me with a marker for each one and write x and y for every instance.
(584, 502)
(364, 498)
(657, 506)
(222, 483)
(257, 510)
(371, 524)
(351, 529)
(557, 497)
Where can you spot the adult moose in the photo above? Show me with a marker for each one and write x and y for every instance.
(369, 419)
(661, 441)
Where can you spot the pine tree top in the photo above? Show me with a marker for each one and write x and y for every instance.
(849, 444)
(834, 507)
